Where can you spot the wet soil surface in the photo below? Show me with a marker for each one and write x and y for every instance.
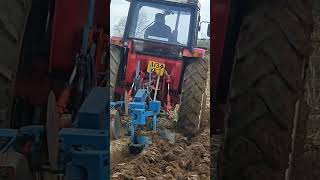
(215, 143)
(183, 159)
(311, 163)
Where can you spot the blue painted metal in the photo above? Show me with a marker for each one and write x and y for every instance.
(93, 111)
(8, 137)
(8, 132)
(145, 140)
(139, 111)
(136, 105)
(85, 35)
(86, 147)
(71, 137)
(87, 165)
(155, 106)
(88, 151)
(118, 104)
(141, 95)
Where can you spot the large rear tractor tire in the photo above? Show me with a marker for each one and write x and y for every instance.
(266, 91)
(115, 59)
(193, 98)
(13, 19)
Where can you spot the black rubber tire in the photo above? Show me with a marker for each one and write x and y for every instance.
(115, 60)
(267, 81)
(13, 19)
(305, 162)
(193, 97)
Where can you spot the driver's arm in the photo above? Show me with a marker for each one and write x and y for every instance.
(169, 34)
(147, 33)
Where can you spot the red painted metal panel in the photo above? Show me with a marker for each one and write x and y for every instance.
(103, 13)
(196, 52)
(33, 83)
(173, 67)
(70, 18)
(220, 17)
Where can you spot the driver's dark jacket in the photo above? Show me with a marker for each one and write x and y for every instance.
(159, 30)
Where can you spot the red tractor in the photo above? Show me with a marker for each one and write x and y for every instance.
(47, 46)
(57, 38)
(260, 57)
(163, 35)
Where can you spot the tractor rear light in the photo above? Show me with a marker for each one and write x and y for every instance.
(116, 41)
(196, 52)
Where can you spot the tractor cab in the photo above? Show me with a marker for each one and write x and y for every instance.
(163, 28)
(160, 40)
(161, 33)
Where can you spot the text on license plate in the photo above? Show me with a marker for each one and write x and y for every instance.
(157, 67)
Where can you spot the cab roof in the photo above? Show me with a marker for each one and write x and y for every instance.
(190, 2)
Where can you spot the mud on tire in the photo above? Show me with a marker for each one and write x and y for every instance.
(267, 82)
(193, 97)
(13, 20)
(115, 59)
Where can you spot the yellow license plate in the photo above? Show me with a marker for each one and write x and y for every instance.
(158, 68)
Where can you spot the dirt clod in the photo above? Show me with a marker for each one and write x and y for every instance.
(183, 160)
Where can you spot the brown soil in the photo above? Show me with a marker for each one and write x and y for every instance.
(215, 143)
(312, 149)
(312, 162)
(184, 159)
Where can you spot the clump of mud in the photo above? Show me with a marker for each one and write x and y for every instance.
(182, 159)
(311, 164)
(215, 143)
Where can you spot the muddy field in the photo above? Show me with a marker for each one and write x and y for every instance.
(182, 159)
(312, 149)
(215, 143)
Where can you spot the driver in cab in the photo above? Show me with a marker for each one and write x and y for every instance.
(159, 30)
